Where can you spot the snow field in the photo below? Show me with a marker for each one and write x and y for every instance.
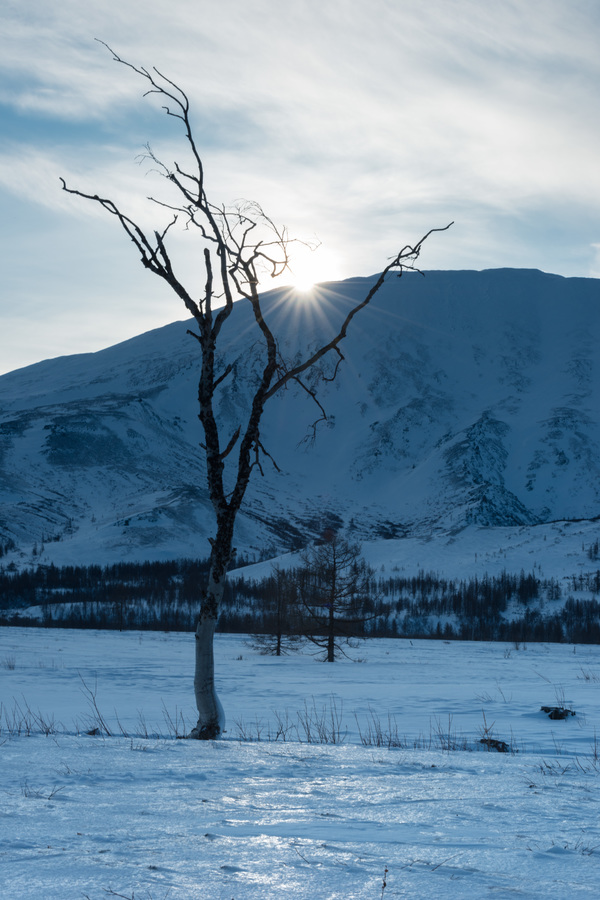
(150, 817)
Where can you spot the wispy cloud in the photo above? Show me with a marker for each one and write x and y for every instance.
(366, 124)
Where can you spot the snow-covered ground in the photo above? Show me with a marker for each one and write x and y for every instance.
(144, 816)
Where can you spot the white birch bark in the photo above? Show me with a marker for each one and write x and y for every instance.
(211, 717)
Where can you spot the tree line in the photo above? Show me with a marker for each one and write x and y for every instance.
(331, 597)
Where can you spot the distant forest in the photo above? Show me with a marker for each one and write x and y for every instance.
(164, 596)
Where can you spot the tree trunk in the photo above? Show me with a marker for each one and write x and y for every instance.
(280, 602)
(211, 718)
(331, 634)
(332, 603)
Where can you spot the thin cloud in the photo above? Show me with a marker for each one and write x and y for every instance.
(363, 124)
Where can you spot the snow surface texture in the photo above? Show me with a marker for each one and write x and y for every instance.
(465, 398)
(156, 817)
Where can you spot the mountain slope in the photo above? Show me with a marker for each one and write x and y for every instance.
(465, 398)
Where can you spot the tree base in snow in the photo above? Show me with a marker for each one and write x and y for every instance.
(205, 733)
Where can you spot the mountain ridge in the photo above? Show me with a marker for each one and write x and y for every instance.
(465, 398)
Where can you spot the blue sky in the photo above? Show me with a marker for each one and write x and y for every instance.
(364, 124)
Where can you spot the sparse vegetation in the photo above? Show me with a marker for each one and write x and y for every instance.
(39, 793)
(384, 883)
(7, 546)
(312, 724)
(593, 551)
(588, 675)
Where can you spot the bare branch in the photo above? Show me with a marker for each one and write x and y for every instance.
(194, 335)
(149, 254)
(323, 417)
(223, 375)
(403, 260)
(268, 455)
(233, 441)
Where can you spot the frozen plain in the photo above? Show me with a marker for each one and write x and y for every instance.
(154, 817)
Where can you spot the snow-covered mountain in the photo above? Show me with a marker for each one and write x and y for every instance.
(465, 398)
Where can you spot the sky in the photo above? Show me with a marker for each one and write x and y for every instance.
(357, 125)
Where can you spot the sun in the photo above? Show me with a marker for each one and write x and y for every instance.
(304, 283)
(309, 267)
(303, 271)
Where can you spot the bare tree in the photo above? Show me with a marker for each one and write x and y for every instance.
(282, 614)
(239, 245)
(334, 584)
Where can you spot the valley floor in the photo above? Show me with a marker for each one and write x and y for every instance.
(143, 815)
